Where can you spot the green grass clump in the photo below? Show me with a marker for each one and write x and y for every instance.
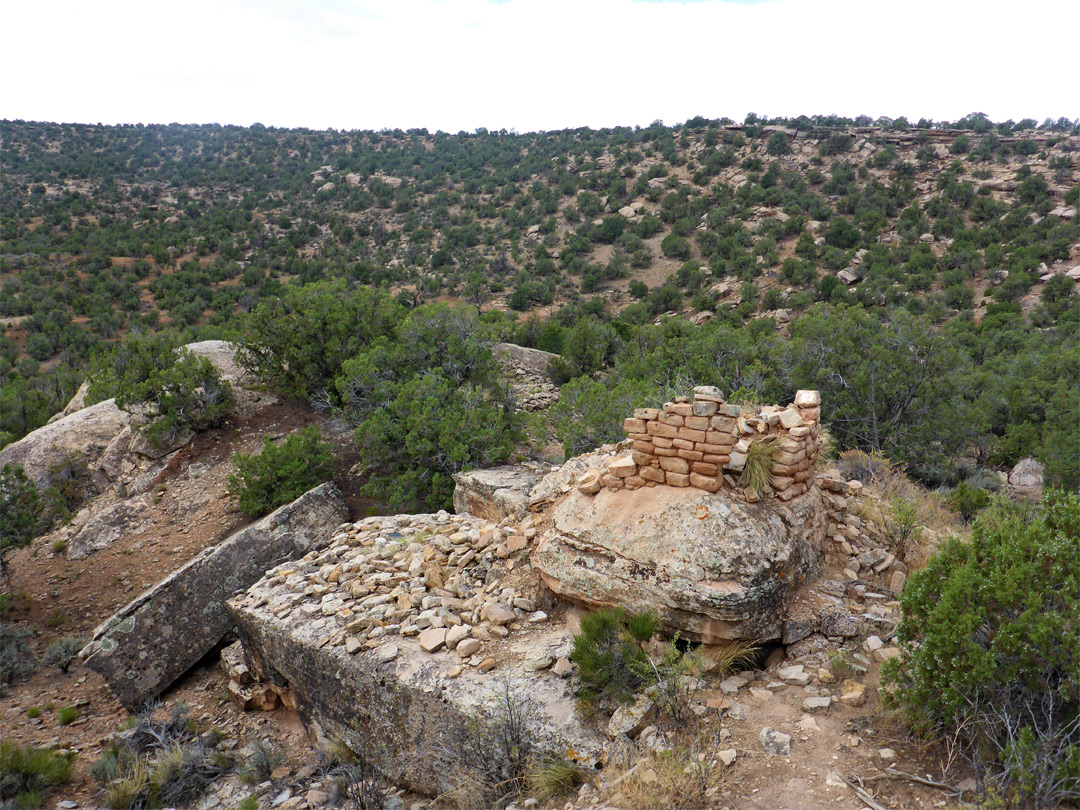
(33, 712)
(28, 774)
(553, 779)
(66, 715)
(757, 474)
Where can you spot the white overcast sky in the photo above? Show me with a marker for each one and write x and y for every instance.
(532, 64)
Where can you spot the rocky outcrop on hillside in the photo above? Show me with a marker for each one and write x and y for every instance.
(154, 639)
(498, 492)
(713, 568)
(529, 373)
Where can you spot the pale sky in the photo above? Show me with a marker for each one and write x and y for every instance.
(532, 64)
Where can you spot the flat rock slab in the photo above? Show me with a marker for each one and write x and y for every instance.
(496, 493)
(712, 567)
(157, 637)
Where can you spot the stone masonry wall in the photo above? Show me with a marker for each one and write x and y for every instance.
(702, 441)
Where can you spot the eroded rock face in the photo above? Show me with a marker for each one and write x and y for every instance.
(712, 567)
(496, 493)
(81, 436)
(156, 638)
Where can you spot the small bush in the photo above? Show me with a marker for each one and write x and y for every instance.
(967, 499)
(261, 762)
(56, 618)
(27, 774)
(33, 712)
(610, 658)
(992, 650)
(280, 473)
(20, 512)
(63, 651)
(67, 715)
(16, 655)
(159, 763)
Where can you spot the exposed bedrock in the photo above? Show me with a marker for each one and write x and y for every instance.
(713, 567)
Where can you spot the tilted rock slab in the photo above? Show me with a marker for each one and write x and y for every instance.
(498, 492)
(712, 567)
(157, 637)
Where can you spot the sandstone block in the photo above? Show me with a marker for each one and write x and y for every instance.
(641, 459)
(676, 465)
(719, 459)
(733, 411)
(662, 441)
(633, 425)
(682, 444)
(806, 398)
(708, 393)
(810, 414)
(673, 419)
(724, 424)
(790, 417)
(652, 474)
(705, 408)
(645, 414)
(643, 446)
(660, 429)
(635, 480)
(704, 468)
(589, 484)
(705, 482)
(720, 438)
(622, 467)
(433, 639)
(679, 408)
(611, 482)
(691, 455)
(697, 422)
(691, 435)
(660, 452)
(675, 479)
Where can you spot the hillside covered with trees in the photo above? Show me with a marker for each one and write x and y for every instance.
(920, 275)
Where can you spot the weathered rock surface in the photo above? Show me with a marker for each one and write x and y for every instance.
(712, 567)
(158, 636)
(122, 519)
(534, 360)
(496, 493)
(80, 437)
(1027, 474)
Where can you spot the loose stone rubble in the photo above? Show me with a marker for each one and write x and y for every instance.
(416, 628)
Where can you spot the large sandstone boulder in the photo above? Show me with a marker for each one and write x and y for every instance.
(713, 567)
(81, 437)
(122, 519)
(512, 356)
(156, 638)
(496, 493)
(1027, 474)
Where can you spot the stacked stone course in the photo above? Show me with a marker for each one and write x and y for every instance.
(702, 441)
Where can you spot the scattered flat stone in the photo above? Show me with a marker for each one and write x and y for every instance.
(498, 614)
(727, 756)
(353, 645)
(732, 685)
(629, 720)
(486, 665)
(794, 675)
(885, 653)
(816, 705)
(468, 647)
(456, 634)
(852, 693)
(873, 644)
(887, 754)
(775, 743)
(760, 695)
(432, 639)
(387, 653)
(538, 661)
(563, 668)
